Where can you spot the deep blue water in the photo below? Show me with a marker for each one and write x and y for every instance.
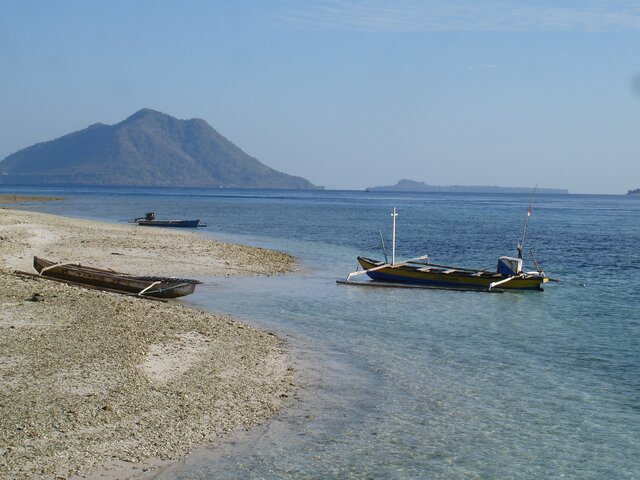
(426, 383)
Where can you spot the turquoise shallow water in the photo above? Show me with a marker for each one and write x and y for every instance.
(427, 384)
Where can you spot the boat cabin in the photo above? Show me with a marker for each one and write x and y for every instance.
(509, 266)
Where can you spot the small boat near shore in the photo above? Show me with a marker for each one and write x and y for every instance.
(509, 274)
(144, 286)
(149, 220)
(420, 272)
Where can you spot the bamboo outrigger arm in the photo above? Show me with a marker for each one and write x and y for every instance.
(385, 265)
(508, 279)
(141, 292)
(62, 264)
(361, 272)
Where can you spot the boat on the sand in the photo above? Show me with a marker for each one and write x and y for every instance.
(146, 286)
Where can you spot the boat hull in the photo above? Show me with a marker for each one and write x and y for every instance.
(451, 277)
(169, 223)
(159, 287)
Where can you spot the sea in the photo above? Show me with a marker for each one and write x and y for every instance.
(413, 383)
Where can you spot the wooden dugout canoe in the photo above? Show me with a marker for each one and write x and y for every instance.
(152, 286)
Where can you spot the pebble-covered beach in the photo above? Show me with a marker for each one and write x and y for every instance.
(100, 385)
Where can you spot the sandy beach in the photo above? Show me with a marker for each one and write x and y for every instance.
(100, 385)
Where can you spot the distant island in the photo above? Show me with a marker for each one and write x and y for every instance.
(634, 192)
(149, 148)
(406, 185)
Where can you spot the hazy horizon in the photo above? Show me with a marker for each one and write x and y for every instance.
(348, 94)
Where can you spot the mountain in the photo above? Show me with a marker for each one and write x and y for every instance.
(147, 149)
(406, 185)
(634, 192)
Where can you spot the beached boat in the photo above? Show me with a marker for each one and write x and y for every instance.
(149, 220)
(509, 274)
(152, 286)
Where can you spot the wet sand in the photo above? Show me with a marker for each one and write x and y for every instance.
(101, 385)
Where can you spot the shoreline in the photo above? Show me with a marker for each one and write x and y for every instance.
(102, 385)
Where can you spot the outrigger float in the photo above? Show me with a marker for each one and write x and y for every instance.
(420, 273)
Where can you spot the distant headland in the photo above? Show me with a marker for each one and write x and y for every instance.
(406, 185)
(148, 149)
(634, 192)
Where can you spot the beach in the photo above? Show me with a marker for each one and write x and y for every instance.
(101, 385)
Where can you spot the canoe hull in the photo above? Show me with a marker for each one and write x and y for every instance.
(159, 287)
(169, 223)
(460, 278)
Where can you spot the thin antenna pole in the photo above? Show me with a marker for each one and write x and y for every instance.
(526, 222)
(393, 238)
(384, 249)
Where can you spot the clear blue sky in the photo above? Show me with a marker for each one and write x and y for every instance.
(348, 94)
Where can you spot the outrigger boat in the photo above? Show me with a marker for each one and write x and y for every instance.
(509, 274)
(149, 220)
(151, 286)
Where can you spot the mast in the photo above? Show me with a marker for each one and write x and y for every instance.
(526, 222)
(393, 237)
(524, 231)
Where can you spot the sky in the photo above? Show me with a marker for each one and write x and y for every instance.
(348, 94)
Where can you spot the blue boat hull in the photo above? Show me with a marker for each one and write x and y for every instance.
(450, 277)
(169, 223)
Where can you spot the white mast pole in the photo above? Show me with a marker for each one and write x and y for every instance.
(526, 221)
(393, 238)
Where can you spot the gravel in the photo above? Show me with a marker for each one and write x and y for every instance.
(96, 384)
